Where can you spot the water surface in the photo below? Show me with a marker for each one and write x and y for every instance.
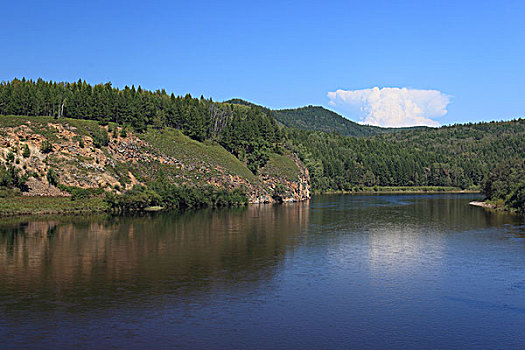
(338, 272)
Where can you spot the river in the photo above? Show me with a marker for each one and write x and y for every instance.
(337, 272)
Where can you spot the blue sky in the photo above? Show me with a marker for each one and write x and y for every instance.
(286, 54)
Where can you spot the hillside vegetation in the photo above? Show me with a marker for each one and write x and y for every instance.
(317, 118)
(82, 159)
(146, 138)
(459, 156)
(504, 187)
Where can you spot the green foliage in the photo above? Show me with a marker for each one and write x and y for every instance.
(10, 157)
(191, 152)
(25, 151)
(321, 119)
(78, 193)
(316, 118)
(123, 132)
(100, 137)
(19, 205)
(506, 183)
(46, 147)
(52, 177)
(282, 166)
(457, 156)
(243, 130)
(172, 196)
(10, 177)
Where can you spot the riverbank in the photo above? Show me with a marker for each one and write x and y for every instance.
(498, 205)
(483, 205)
(23, 205)
(401, 190)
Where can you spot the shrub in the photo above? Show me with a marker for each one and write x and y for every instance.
(10, 177)
(52, 177)
(46, 147)
(10, 157)
(25, 151)
(123, 132)
(100, 138)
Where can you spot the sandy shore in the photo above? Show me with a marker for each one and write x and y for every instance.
(483, 204)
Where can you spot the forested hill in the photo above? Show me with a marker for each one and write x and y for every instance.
(246, 132)
(321, 119)
(317, 118)
(460, 155)
(314, 118)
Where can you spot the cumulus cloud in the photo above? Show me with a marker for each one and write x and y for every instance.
(393, 107)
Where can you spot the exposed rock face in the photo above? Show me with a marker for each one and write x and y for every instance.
(125, 162)
(294, 190)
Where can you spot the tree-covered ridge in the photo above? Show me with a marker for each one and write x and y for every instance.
(320, 119)
(317, 118)
(247, 132)
(460, 155)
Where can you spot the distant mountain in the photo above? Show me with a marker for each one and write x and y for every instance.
(321, 119)
(318, 118)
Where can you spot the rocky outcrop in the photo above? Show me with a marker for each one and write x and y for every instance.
(127, 160)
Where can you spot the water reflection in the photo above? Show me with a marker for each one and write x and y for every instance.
(339, 272)
(102, 260)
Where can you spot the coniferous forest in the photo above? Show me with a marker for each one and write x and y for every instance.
(246, 132)
(460, 155)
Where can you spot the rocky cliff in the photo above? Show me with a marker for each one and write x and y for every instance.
(88, 155)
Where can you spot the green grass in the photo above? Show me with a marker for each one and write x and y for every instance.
(282, 166)
(179, 146)
(49, 205)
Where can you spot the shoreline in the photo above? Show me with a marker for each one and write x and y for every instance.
(483, 205)
(12, 207)
(403, 191)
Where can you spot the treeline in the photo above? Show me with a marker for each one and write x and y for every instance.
(506, 185)
(248, 132)
(459, 156)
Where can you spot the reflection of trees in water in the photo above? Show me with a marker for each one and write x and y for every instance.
(153, 254)
(445, 211)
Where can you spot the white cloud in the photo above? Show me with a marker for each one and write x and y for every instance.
(393, 107)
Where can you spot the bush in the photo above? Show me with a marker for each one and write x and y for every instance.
(46, 147)
(172, 196)
(10, 177)
(100, 138)
(52, 177)
(123, 132)
(79, 192)
(26, 152)
(10, 157)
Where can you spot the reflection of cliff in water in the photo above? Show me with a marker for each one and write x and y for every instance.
(83, 260)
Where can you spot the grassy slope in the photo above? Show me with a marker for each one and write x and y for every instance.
(175, 144)
(281, 166)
